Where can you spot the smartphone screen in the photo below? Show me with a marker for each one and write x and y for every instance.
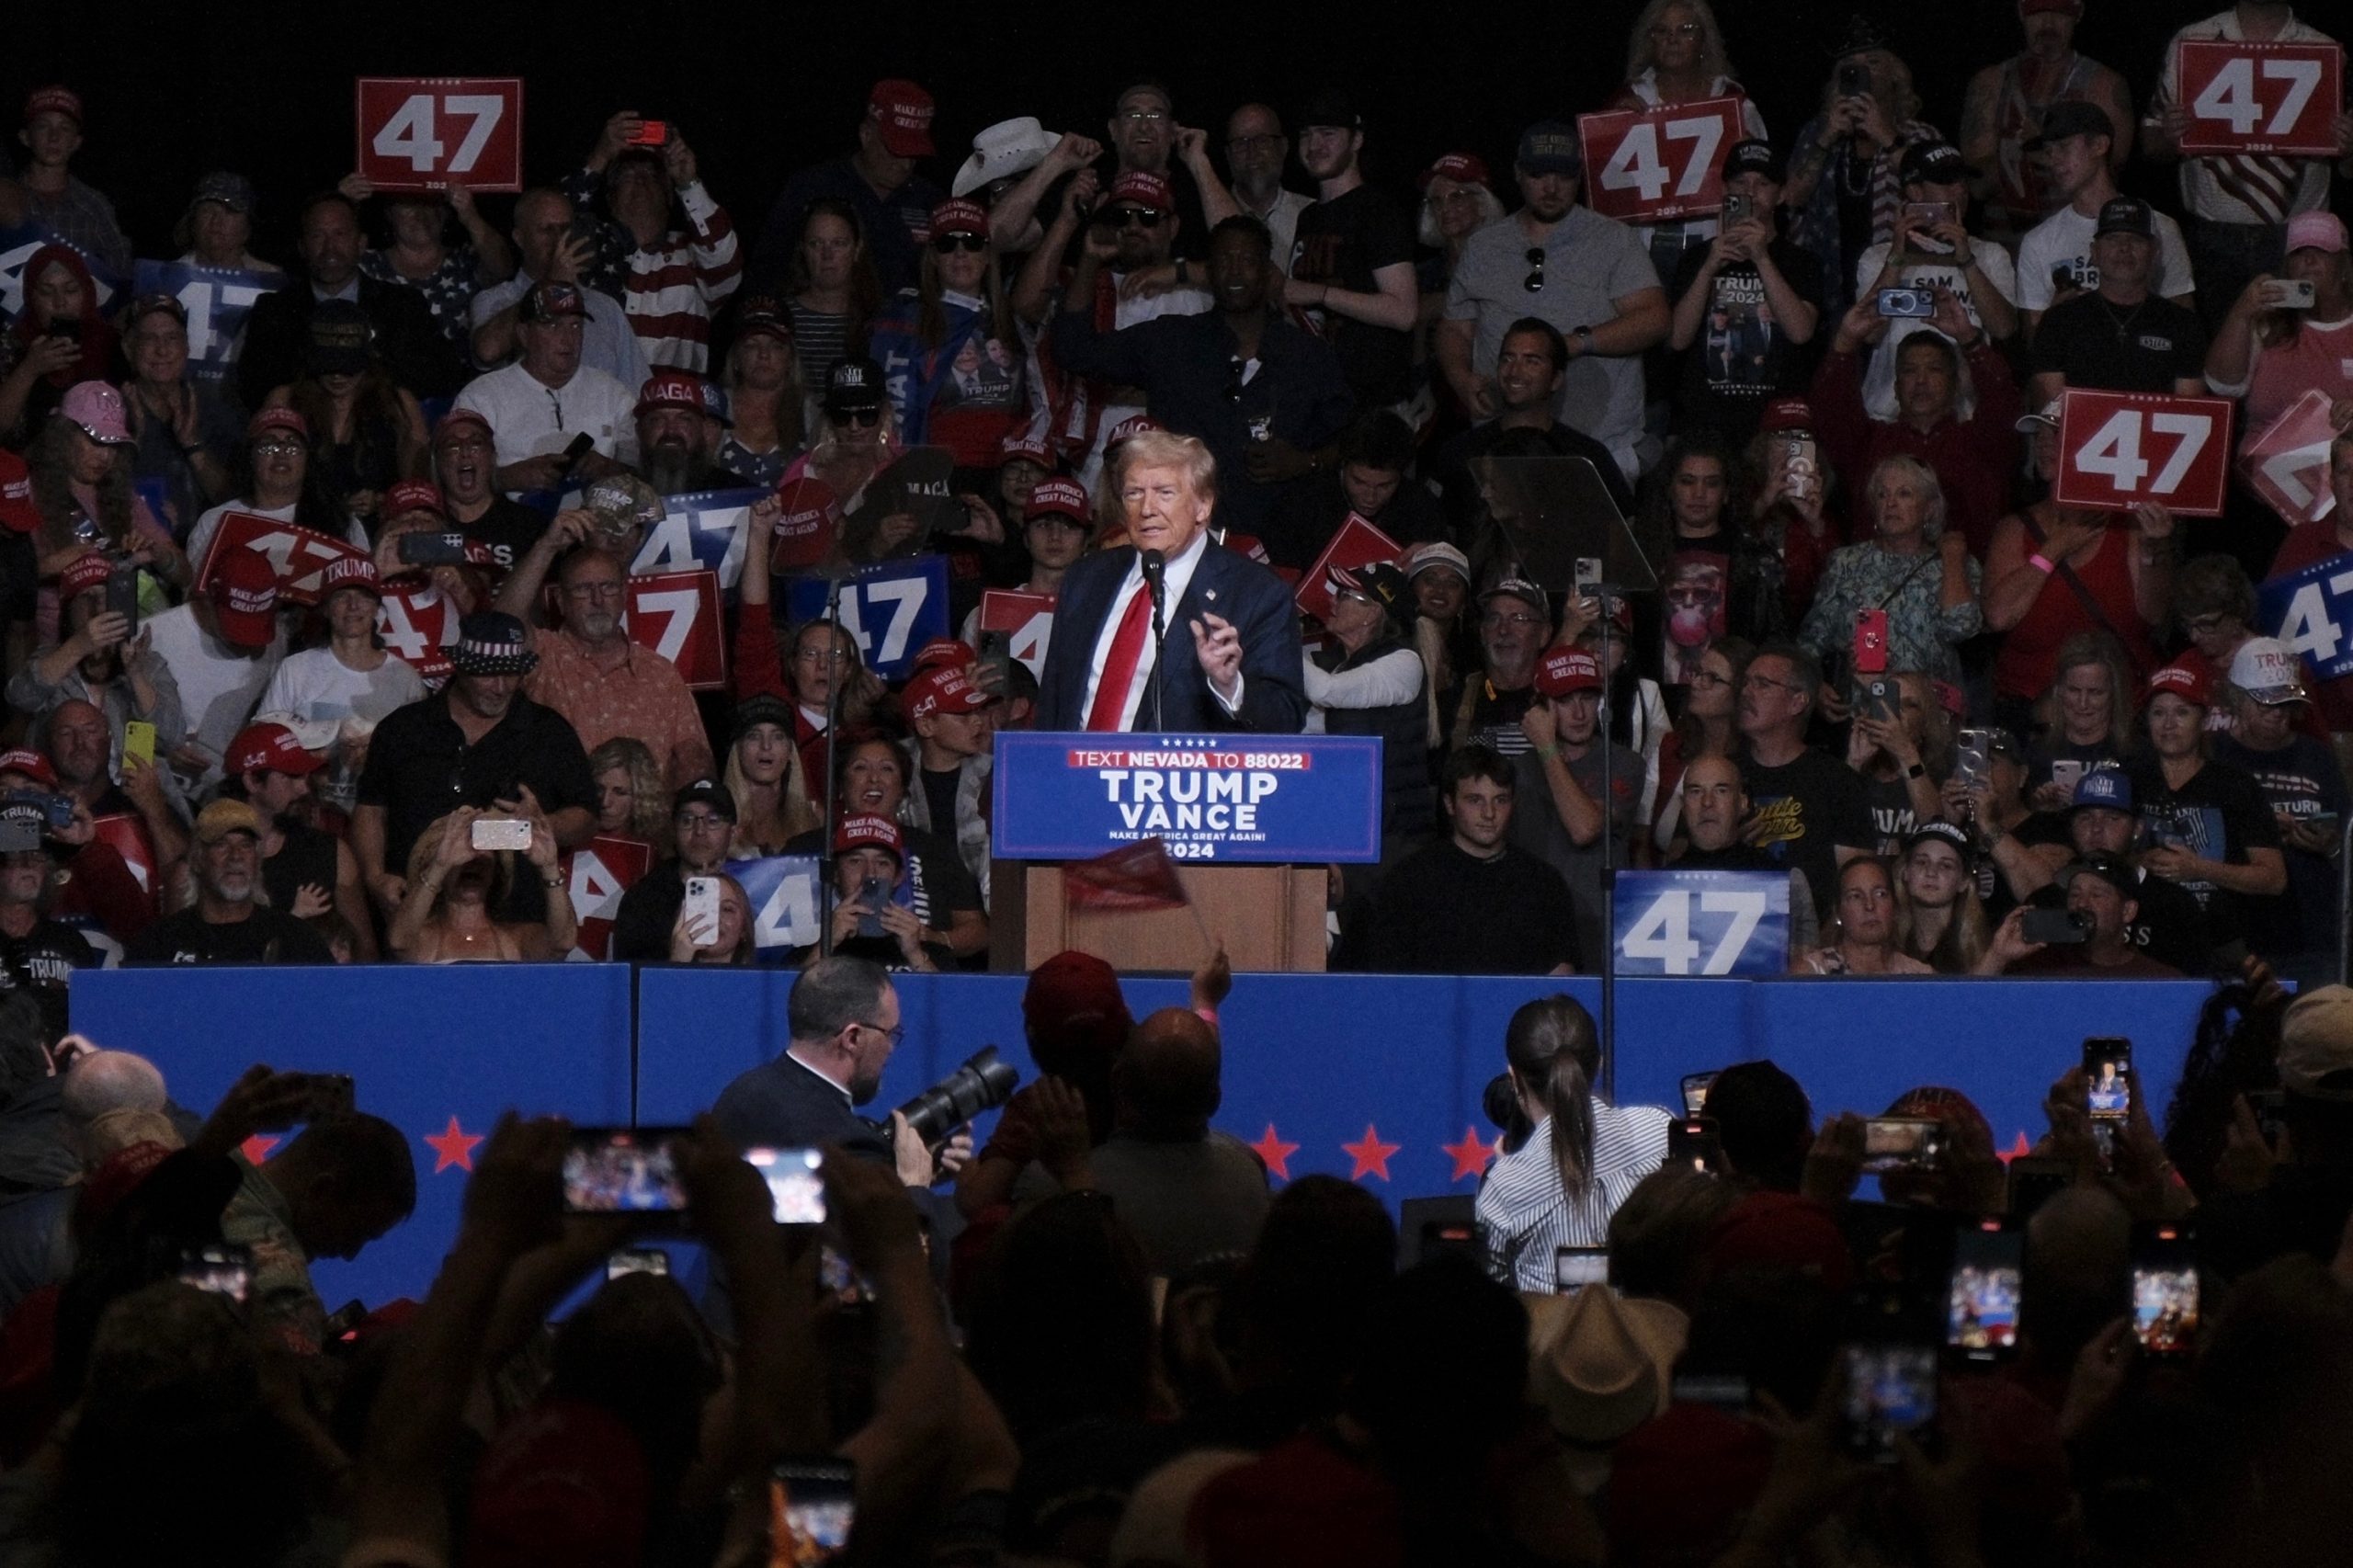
(1902, 1142)
(812, 1507)
(1695, 1093)
(611, 1170)
(2108, 1073)
(139, 739)
(2164, 1291)
(223, 1269)
(637, 1260)
(1576, 1267)
(1982, 1300)
(1891, 1390)
(796, 1193)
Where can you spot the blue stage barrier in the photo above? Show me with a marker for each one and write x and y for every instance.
(1375, 1078)
(438, 1051)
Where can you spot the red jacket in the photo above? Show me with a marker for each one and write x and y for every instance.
(1975, 461)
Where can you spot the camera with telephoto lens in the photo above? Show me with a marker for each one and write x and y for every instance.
(984, 1083)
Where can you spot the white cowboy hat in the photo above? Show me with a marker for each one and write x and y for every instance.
(1009, 148)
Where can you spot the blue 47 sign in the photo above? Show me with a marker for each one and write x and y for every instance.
(891, 609)
(782, 891)
(217, 299)
(2311, 612)
(704, 529)
(1702, 923)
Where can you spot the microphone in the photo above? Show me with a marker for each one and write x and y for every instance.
(1155, 577)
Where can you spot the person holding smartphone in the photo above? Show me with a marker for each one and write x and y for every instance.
(869, 918)
(1751, 293)
(2102, 892)
(2304, 789)
(2289, 334)
(455, 887)
(1845, 181)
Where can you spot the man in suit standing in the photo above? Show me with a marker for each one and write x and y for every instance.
(277, 334)
(844, 1015)
(1232, 652)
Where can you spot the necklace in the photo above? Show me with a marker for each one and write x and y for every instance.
(2123, 325)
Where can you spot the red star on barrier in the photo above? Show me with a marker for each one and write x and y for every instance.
(1370, 1154)
(2018, 1151)
(1273, 1152)
(256, 1148)
(1471, 1155)
(453, 1147)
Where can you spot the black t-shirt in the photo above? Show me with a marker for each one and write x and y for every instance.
(510, 529)
(1442, 911)
(1495, 715)
(1894, 817)
(1742, 355)
(940, 793)
(1344, 241)
(2144, 347)
(307, 858)
(2218, 814)
(43, 962)
(1808, 808)
(2300, 779)
(420, 767)
(267, 936)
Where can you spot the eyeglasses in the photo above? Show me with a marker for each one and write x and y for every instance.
(1751, 681)
(1534, 281)
(895, 1034)
(948, 244)
(834, 656)
(700, 822)
(1500, 619)
(1133, 217)
(1680, 30)
(861, 418)
(1708, 677)
(1143, 116)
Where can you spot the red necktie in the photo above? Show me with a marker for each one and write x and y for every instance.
(1119, 668)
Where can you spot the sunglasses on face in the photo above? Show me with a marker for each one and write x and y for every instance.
(948, 244)
(861, 418)
(1133, 217)
(1534, 281)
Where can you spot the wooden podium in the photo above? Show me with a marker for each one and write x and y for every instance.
(1270, 917)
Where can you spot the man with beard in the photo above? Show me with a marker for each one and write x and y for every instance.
(1515, 622)
(462, 447)
(38, 955)
(844, 1019)
(537, 406)
(230, 922)
(589, 670)
(306, 871)
(1352, 270)
(478, 741)
(674, 422)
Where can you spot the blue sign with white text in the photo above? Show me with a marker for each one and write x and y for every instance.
(704, 529)
(17, 245)
(891, 608)
(1702, 923)
(2311, 612)
(1238, 798)
(218, 300)
(782, 891)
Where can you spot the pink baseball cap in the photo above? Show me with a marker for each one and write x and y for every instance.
(97, 408)
(2316, 231)
(902, 112)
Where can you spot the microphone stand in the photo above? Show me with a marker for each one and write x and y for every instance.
(833, 724)
(1609, 881)
(1155, 567)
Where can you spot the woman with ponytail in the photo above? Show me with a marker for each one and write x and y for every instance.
(1559, 1189)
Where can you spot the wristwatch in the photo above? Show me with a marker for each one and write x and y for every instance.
(1584, 335)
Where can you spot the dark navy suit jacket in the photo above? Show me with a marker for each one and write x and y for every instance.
(1274, 693)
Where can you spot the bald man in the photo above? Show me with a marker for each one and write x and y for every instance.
(1712, 807)
(1187, 1192)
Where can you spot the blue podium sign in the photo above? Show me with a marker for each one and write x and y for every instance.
(1275, 798)
(1702, 923)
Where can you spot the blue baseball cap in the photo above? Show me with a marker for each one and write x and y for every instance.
(1549, 147)
(2106, 788)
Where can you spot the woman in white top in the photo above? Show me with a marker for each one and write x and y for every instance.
(352, 673)
(1559, 1189)
(1676, 55)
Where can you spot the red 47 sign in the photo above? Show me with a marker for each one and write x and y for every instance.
(428, 133)
(296, 554)
(676, 614)
(2118, 449)
(2261, 98)
(418, 626)
(1026, 619)
(1650, 165)
(596, 875)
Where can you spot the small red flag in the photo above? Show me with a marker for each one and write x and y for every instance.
(1139, 877)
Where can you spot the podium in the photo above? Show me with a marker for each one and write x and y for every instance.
(1249, 823)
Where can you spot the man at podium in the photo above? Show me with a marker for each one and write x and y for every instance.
(1229, 659)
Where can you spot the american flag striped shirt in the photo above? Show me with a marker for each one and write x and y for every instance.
(671, 287)
(1523, 1213)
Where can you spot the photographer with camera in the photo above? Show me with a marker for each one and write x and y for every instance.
(844, 1019)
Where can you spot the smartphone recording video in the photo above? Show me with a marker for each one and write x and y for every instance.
(1982, 1305)
(2108, 1075)
(812, 1507)
(225, 1269)
(1576, 1267)
(637, 1260)
(2164, 1291)
(1693, 1141)
(623, 1170)
(796, 1193)
(1695, 1093)
(1891, 1390)
(1902, 1144)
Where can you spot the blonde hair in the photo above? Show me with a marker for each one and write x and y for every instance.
(649, 806)
(428, 845)
(1902, 465)
(794, 814)
(1641, 56)
(1165, 448)
(1966, 930)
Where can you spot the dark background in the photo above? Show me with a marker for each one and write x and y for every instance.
(762, 90)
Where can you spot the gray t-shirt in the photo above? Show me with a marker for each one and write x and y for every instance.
(1590, 262)
(1536, 827)
(1185, 1202)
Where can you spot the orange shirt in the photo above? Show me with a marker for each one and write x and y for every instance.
(641, 696)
